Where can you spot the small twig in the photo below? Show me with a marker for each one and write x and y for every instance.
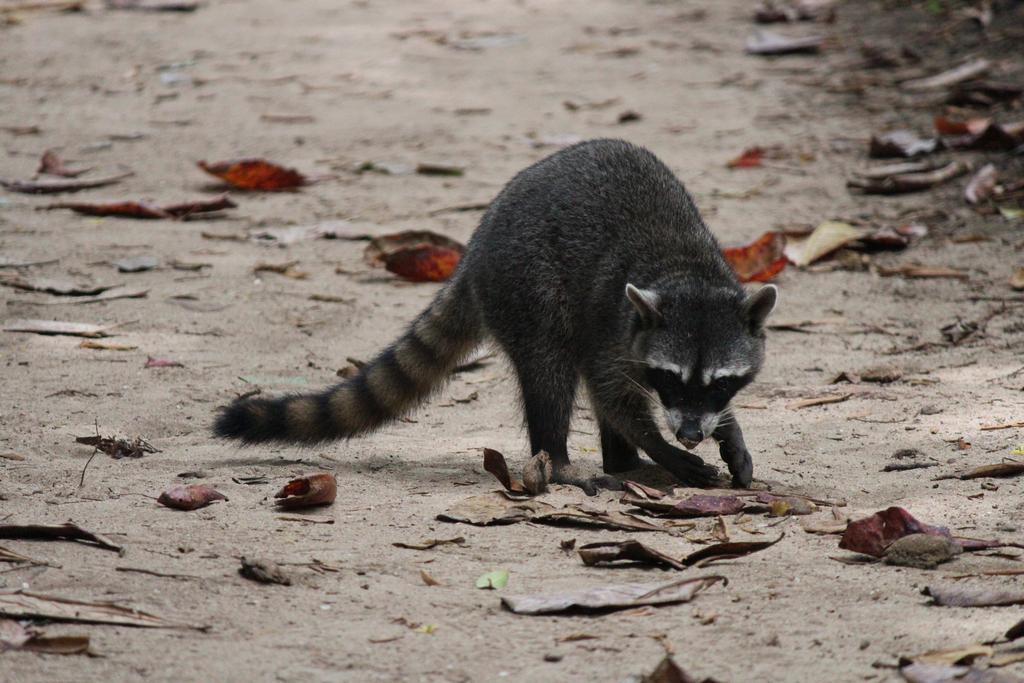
(140, 570)
(95, 450)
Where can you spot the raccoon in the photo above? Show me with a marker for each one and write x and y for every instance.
(591, 264)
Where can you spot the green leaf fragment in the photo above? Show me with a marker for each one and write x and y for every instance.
(493, 580)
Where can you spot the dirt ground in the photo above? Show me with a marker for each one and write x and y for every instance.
(400, 82)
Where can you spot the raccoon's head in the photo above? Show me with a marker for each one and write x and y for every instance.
(700, 345)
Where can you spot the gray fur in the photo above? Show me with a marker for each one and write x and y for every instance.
(546, 275)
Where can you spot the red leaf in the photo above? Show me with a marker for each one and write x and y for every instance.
(872, 535)
(750, 158)
(708, 506)
(944, 126)
(313, 489)
(190, 497)
(255, 174)
(425, 263)
(146, 210)
(759, 261)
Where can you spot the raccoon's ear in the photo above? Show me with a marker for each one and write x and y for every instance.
(646, 302)
(760, 304)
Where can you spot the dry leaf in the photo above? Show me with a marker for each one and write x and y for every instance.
(56, 186)
(964, 72)
(24, 605)
(312, 489)
(727, 551)
(51, 164)
(770, 43)
(1009, 468)
(58, 532)
(190, 496)
(982, 184)
(966, 596)
(153, 362)
(750, 158)
(944, 126)
(825, 239)
(872, 535)
(56, 327)
(960, 655)
(118, 448)
(759, 261)
(604, 598)
(287, 269)
(428, 579)
(819, 401)
(494, 462)
(430, 543)
(632, 551)
(901, 143)
(424, 263)
(263, 571)
(51, 286)
(924, 272)
(144, 210)
(382, 246)
(14, 636)
(493, 508)
(255, 174)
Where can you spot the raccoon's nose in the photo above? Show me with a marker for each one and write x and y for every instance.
(690, 435)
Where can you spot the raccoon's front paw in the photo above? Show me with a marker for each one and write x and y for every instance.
(693, 473)
(741, 466)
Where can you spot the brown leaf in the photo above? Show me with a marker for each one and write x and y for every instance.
(642, 490)
(759, 261)
(190, 496)
(633, 551)
(57, 532)
(51, 164)
(153, 362)
(872, 535)
(984, 93)
(578, 515)
(924, 272)
(494, 462)
(14, 636)
(613, 597)
(944, 126)
(770, 43)
(901, 143)
(263, 571)
(25, 605)
(1017, 280)
(424, 263)
(752, 157)
(312, 489)
(430, 543)
(966, 596)
(56, 327)
(51, 286)
(493, 508)
(825, 239)
(727, 551)
(794, 505)
(287, 269)
(255, 174)
(707, 506)
(819, 401)
(56, 186)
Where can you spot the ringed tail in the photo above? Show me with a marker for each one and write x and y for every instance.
(401, 377)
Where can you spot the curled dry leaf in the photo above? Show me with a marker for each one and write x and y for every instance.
(901, 143)
(770, 43)
(430, 543)
(945, 126)
(872, 535)
(63, 185)
(537, 473)
(56, 327)
(909, 182)
(380, 247)
(57, 532)
(995, 137)
(14, 636)
(190, 496)
(428, 579)
(759, 261)
(144, 210)
(631, 551)
(642, 490)
(255, 174)
(51, 286)
(312, 489)
(25, 605)
(1009, 468)
(494, 462)
(613, 597)
(966, 596)
(52, 164)
(263, 571)
(964, 72)
(752, 157)
(727, 551)
(823, 240)
(982, 184)
(153, 362)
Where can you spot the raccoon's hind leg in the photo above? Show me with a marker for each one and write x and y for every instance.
(548, 390)
(617, 454)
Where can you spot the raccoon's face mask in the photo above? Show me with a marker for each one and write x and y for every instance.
(700, 349)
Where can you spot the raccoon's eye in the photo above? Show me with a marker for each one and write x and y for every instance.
(665, 382)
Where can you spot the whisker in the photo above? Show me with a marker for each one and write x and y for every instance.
(643, 389)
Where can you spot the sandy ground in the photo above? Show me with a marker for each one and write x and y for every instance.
(387, 82)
